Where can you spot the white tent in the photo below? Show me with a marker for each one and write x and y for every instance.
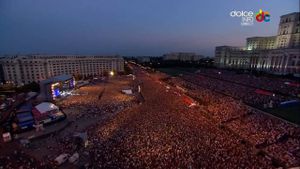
(127, 91)
(74, 158)
(6, 137)
(61, 158)
(46, 107)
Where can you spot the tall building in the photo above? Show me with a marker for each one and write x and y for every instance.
(1, 74)
(34, 68)
(288, 35)
(278, 54)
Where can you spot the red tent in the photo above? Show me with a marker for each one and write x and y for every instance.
(294, 84)
(263, 92)
(188, 101)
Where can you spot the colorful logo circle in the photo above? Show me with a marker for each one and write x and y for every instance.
(263, 16)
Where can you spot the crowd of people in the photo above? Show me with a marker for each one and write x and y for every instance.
(163, 132)
(87, 105)
(281, 85)
(260, 130)
(19, 159)
(245, 93)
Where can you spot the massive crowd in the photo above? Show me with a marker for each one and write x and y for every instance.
(276, 137)
(163, 132)
(88, 105)
(245, 93)
(281, 85)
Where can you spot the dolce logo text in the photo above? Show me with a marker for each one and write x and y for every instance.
(247, 17)
(241, 13)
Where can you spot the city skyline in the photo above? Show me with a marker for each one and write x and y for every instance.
(148, 28)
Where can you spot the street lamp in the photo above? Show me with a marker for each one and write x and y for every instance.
(111, 73)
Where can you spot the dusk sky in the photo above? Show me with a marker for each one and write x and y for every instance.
(135, 27)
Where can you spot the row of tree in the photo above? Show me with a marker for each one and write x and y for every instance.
(159, 62)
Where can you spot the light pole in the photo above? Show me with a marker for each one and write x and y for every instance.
(111, 73)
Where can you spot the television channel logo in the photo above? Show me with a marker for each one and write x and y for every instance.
(248, 17)
(263, 16)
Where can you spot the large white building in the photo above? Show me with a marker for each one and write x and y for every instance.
(261, 43)
(278, 54)
(34, 68)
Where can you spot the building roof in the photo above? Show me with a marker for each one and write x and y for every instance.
(289, 14)
(46, 57)
(55, 79)
(262, 37)
(24, 108)
(46, 107)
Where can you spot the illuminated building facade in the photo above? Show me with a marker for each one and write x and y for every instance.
(261, 43)
(275, 54)
(22, 70)
(288, 35)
